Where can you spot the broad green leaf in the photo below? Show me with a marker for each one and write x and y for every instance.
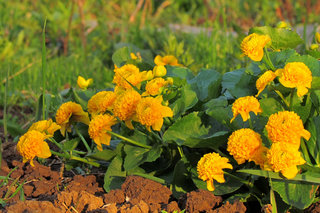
(105, 155)
(303, 109)
(120, 56)
(180, 72)
(312, 63)
(207, 84)
(297, 194)
(114, 176)
(270, 106)
(313, 144)
(315, 84)
(314, 53)
(279, 58)
(70, 144)
(187, 127)
(239, 83)
(213, 141)
(280, 38)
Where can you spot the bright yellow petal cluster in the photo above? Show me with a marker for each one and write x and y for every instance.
(150, 112)
(47, 127)
(284, 161)
(83, 83)
(32, 144)
(124, 106)
(70, 112)
(159, 71)
(245, 144)
(166, 60)
(127, 73)
(210, 168)
(265, 79)
(286, 128)
(296, 75)
(252, 46)
(155, 87)
(98, 128)
(101, 102)
(244, 106)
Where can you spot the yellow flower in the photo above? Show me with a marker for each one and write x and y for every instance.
(127, 73)
(166, 60)
(317, 37)
(150, 112)
(314, 46)
(124, 106)
(283, 24)
(83, 83)
(147, 75)
(265, 79)
(284, 161)
(155, 87)
(47, 127)
(287, 128)
(243, 144)
(159, 71)
(32, 144)
(70, 112)
(252, 46)
(210, 167)
(101, 102)
(98, 128)
(244, 106)
(296, 74)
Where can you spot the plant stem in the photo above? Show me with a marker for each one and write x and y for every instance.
(250, 123)
(44, 69)
(83, 140)
(282, 98)
(72, 157)
(129, 140)
(267, 59)
(180, 151)
(291, 99)
(272, 198)
(248, 183)
(5, 119)
(58, 145)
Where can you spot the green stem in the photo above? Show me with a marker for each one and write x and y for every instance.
(66, 156)
(291, 99)
(84, 161)
(246, 182)
(129, 140)
(250, 123)
(44, 69)
(267, 60)
(58, 145)
(180, 151)
(83, 140)
(282, 98)
(272, 198)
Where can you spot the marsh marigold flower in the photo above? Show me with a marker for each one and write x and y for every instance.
(70, 112)
(296, 75)
(47, 127)
(244, 106)
(286, 128)
(155, 86)
(98, 128)
(127, 73)
(83, 83)
(252, 46)
(166, 60)
(32, 144)
(124, 106)
(265, 79)
(283, 161)
(210, 167)
(150, 112)
(159, 71)
(244, 144)
(101, 102)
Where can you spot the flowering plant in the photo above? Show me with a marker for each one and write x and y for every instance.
(162, 122)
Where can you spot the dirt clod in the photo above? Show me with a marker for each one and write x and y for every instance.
(236, 207)
(32, 206)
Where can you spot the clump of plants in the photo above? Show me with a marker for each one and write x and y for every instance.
(245, 134)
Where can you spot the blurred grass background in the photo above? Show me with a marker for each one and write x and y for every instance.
(82, 35)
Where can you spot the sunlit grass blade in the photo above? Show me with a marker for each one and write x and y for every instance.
(43, 70)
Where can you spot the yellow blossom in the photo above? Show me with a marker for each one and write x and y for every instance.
(244, 106)
(159, 71)
(124, 106)
(166, 60)
(155, 86)
(210, 167)
(47, 127)
(317, 37)
(98, 128)
(252, 46)
(83, 83)
(147, 75)
(314, 46)
(265, 79)
(244, 144)
(286, 128)
(101, 102)
(70, 112)
(150, 112)
(296, 75)
(284, 161)
(283, 24)
(32, 144)
(127, 73)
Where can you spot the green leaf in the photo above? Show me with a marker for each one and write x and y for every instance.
(207, 84)
(279, 58)
(186, 101)
(315, 84)
(213, 141)
(312, 63)
(181, 182)
(303, 109)
(185, 128)
(180, 72)
(270, 106)
(313, 144)
(114, 176)
(104, 155)
(13, 128)
(70, 145)
(120, 56)
(314, 53)
(281, 38)
(239, 83)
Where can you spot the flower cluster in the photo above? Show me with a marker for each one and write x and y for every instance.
(252, 46)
